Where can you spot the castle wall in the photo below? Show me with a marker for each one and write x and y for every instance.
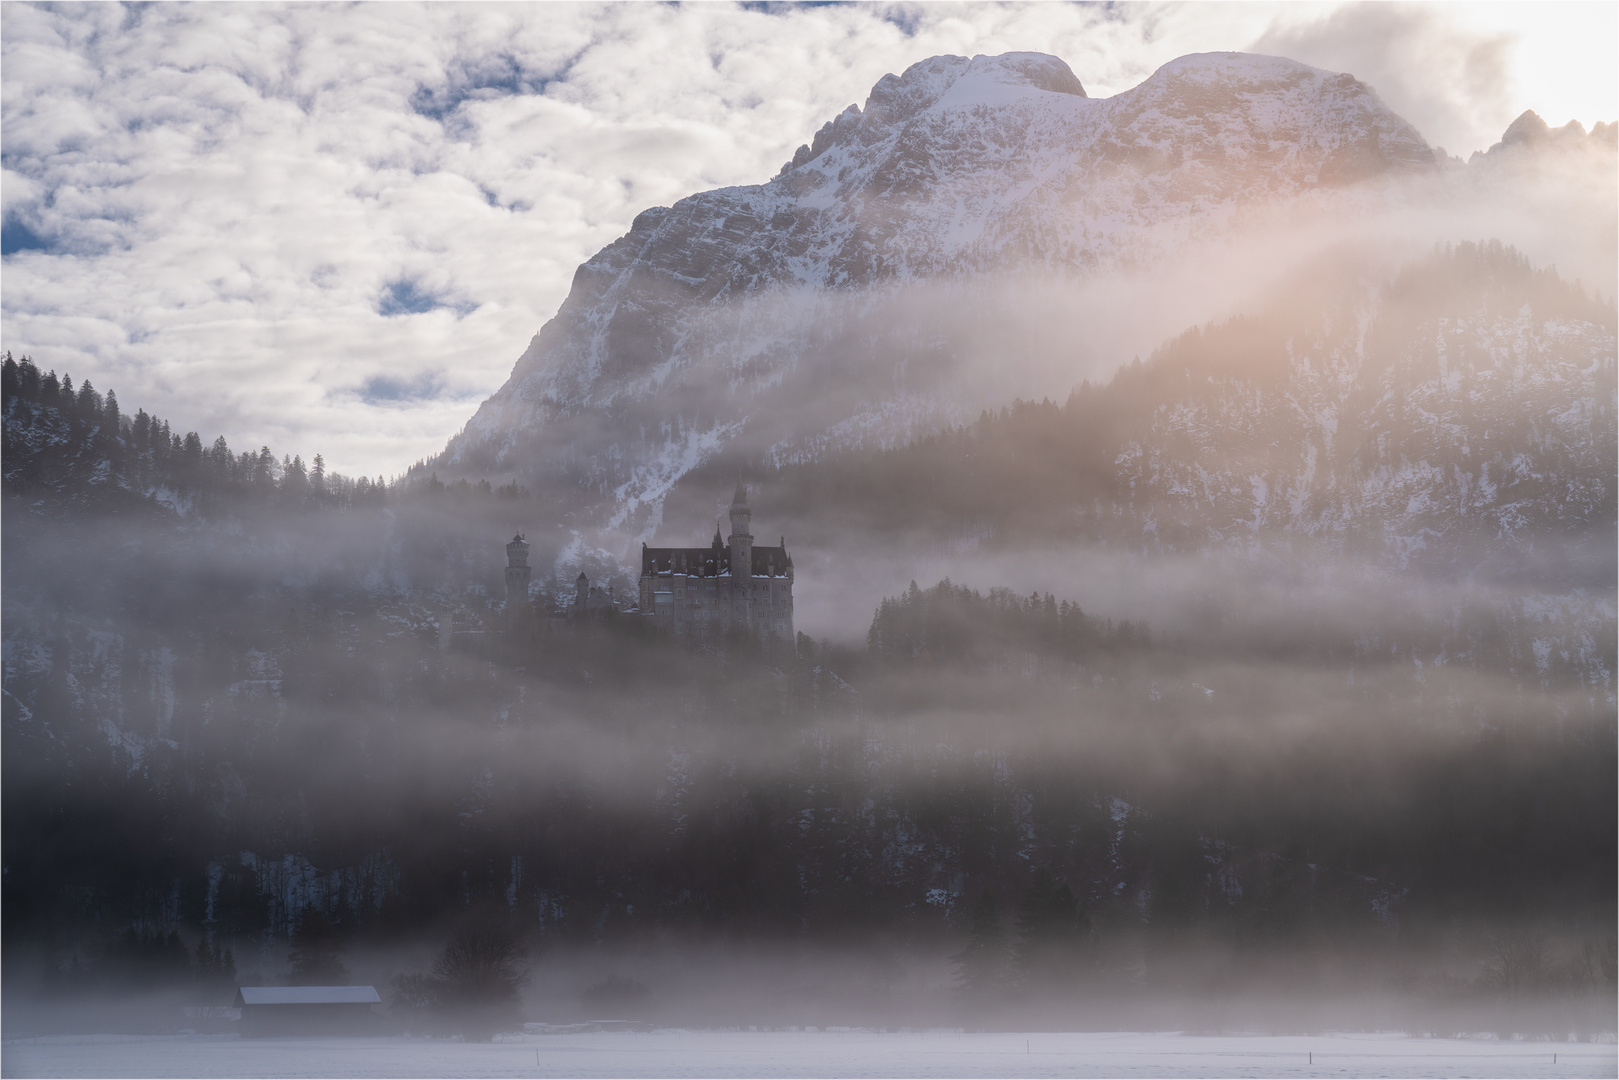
(706, 593)
(709, 606)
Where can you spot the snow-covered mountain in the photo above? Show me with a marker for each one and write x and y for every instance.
(1464, 411)
(786, 313)
(1456, 419)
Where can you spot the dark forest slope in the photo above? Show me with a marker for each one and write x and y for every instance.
(226, 708)
(1460, 417)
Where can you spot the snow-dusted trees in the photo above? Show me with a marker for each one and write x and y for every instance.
(80, 446)
(981, 964)
(950, 624)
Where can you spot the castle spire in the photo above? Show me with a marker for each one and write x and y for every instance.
(741, 514)
(741, 540)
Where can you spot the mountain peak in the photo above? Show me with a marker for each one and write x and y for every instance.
(948, 81)
(1526, 129)
(1529, 137)
(1226, 66)
(957, 169)
(896, 98)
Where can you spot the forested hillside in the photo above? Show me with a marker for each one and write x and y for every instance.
(230, 716)
(1459, 417)
(69, 448)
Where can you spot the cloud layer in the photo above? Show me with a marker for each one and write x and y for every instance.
(334, 229)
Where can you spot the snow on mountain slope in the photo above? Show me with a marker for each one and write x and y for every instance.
(1410, 426)
(779, 311)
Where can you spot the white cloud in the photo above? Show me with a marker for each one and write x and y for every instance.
(241, 205)
(1454, 81)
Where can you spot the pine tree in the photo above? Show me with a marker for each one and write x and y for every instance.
(294, 480)
(1051, 930)
(202, 966)
(980, 967)
(89, 402)
(317, 951)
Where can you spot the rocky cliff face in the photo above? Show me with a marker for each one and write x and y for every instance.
(772, 313)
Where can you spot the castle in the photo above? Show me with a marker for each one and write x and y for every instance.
(706, 593)
(702, 593)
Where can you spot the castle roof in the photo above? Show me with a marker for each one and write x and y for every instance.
(711, 561)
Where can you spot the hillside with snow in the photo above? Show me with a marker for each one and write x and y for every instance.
(1460, 415)
(979, 230)
(788, 311)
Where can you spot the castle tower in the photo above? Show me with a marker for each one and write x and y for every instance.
(741, 540)
(581, 593)
(517, 575)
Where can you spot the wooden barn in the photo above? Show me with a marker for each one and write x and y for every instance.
(308, 1010)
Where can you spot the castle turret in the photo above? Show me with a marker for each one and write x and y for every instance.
(517, 575)
(581, 592)
(741, 540)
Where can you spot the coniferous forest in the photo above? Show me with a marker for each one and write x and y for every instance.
(240, 744)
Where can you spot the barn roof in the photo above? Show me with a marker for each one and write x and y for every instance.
(307, 995)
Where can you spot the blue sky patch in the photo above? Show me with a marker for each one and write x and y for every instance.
(785, 7)
(503, 75)
(15, 236)
(406, 297)
(908, 19)
(499, 76)
(382, 389)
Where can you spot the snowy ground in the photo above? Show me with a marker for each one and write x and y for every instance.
(804, 1054)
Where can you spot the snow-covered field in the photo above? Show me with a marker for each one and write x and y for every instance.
(724, 1054)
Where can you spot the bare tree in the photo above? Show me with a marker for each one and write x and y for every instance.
(1515, 961)
(474, 987)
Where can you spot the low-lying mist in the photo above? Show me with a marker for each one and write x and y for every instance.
(1267, 683)
(997, 811)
